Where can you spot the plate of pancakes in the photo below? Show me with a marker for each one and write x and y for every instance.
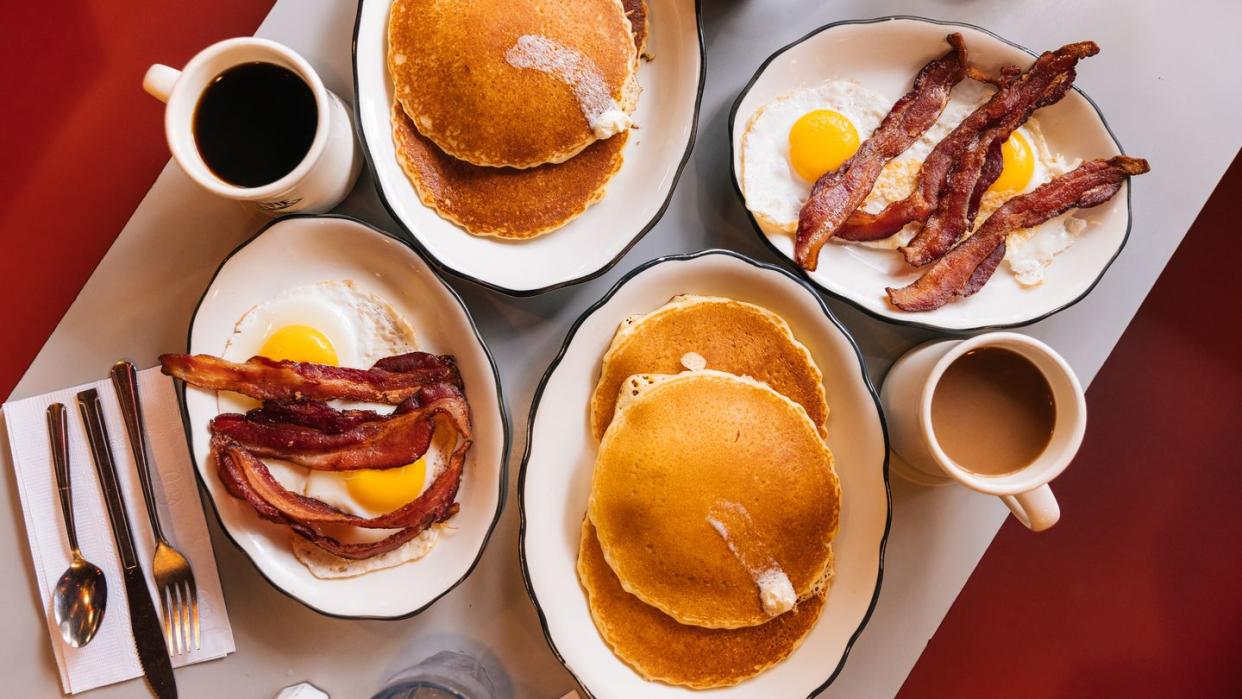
(526, 145)
(704, 496)
(339, 292)
(844, 78)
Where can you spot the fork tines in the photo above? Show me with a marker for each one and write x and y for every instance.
(178, 601)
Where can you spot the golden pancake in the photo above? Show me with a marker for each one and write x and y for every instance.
(714, 498)
(660, 649)
(500, 201)
(636, 12)
(736, 337)
(513, 83)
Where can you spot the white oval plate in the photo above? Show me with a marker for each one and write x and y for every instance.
(299, 250)
(560, 454)
(637, 196)
(884, 54)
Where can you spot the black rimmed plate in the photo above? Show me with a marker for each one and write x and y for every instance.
(556, 473)
(300, 250)
(884, 54)
(588, 246)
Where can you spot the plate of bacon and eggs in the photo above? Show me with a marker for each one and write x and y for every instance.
(817, 108)
(345, 418)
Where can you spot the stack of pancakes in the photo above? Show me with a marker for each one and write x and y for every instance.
(706, 551)
(510, 117)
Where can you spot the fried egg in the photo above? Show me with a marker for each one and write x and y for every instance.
(793, 140)
(336, 324)
(326, 323)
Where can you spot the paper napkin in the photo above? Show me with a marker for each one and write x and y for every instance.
(111, 656)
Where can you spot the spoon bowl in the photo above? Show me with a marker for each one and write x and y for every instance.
(81, 593)
(79, 601)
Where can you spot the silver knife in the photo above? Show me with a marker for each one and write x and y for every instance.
(148, 635)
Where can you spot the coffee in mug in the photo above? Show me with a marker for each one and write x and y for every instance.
(254, 123)
(250, 119)
(993, 411)
(1000, 413)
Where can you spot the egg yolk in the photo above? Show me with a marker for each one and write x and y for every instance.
(1019, 165)
(387, 490)
(820, 141)
(299, 343)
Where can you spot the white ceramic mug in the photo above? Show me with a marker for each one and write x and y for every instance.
(318, 183)
(907, 397)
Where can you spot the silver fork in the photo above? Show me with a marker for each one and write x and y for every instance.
(173, 576)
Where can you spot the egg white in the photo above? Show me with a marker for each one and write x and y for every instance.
(773, 190)
(361, 326)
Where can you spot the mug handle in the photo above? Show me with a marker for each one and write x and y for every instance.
(1037, 509)
(159, 81)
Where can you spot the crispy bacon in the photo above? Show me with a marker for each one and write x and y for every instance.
(248, 470)
(953, 215)
(1013, 94)
(246, 477)
(838, 193)
(315, 415)
(294, 424)
(318, 437)
(966, 268)
(992, 167)
(390, 381)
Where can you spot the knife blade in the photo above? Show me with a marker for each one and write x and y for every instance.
(145, 623)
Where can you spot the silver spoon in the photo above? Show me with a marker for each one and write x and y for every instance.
(82, 592)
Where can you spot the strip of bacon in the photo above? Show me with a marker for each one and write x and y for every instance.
(966, 268)
(1013, 94)
(314, 415)
(251, 473)
(368, 442)
(390, 381)
(359, 551)
(838, 193)
(246, 477)
(953, 217)
(992, 167)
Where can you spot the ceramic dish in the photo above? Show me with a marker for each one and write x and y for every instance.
(556, 474)
(884, 54)
(636, 198)
(300, 250)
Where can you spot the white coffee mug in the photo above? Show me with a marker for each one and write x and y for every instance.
(907, 397)
(327, 172)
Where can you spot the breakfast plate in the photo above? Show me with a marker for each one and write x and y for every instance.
(557, 471)
(635, 198)
(292, 254)
(882, 55)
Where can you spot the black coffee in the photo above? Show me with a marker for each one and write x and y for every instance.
(254, 123)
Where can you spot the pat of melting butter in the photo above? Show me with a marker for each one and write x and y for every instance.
(693, 361)
(537, 52)
(775, 591)
(610, 122)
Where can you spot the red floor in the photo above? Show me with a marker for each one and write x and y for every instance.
(1137, 592)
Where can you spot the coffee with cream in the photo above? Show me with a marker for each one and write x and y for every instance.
(993, 411)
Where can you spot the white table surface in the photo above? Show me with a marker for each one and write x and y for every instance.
(1165, 81)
